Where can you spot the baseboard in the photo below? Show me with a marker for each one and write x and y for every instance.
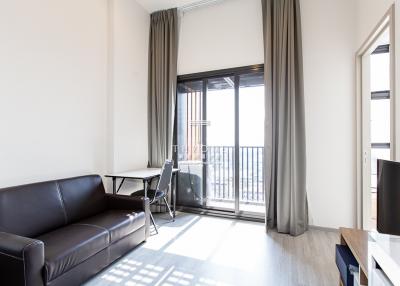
(224, 214)
(330, 229)
(217, 213)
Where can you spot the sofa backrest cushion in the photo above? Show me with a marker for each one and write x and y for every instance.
(34, 209)
(82, 197)
(31, 210)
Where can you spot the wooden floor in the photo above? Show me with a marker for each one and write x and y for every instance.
(209, 251)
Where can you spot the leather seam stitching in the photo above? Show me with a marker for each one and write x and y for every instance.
(10, 255)
(107, 248)
(23, 262)
(104, 249)
(96, 226)
(23, 256)
(62, 202)
(88, 224)
(47, 272)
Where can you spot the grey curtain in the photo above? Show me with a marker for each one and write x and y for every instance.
(285, 147)
(163, 51)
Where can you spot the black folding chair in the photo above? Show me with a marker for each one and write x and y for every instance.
(161, 191)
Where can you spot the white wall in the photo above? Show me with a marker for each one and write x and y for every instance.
(127, 129)
(368, 15)
(73, 74)
(53, 74)
(328, 51)
(130, 60)
(224, 35)
(229, 34)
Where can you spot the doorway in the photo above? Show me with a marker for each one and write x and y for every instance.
(220, 139)
(375, 109)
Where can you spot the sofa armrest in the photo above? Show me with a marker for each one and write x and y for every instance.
(21, 260)
(122, 202)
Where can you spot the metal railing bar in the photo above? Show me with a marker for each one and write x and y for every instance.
(252, 174)
(215, 174)
(233, 171)
(219, 171)
(257, 175)
(262, 174)
(223, 172)
(247, 171)
(229, 173)
(242, 169)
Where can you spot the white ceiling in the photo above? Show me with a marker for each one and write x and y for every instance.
(155, 5)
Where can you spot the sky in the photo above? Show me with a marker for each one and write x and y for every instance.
(221, 117)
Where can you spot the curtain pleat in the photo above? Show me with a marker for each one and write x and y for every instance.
(284, 142)
(163, 57)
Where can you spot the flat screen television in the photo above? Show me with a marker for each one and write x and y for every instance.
(388, 197)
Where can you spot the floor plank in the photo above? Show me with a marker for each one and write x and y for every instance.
(210, 251)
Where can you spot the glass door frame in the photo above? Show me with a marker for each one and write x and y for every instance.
(204, 77)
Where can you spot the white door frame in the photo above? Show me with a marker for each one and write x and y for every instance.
(388, 21)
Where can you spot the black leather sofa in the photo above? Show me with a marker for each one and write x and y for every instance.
(63, 232)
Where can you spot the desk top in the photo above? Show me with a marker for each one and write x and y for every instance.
(357, 241)
(142, 174)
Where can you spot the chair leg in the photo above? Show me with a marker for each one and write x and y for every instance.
(169, 209)
(154, 223)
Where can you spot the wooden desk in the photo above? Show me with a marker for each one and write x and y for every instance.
(357, 241)
(145, 175)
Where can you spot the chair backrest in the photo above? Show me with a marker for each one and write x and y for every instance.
(165, 177)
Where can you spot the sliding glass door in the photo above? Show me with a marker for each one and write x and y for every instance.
(251, 143)
(220, 143)
(189, 140)
(219, 140)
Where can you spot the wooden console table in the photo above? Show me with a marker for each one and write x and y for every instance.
(357, 241)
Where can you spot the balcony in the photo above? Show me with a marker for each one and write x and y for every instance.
(219, 178)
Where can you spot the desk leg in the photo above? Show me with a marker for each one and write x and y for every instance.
(174, 195)
(114, 185)
(145, 188)
(120, 185)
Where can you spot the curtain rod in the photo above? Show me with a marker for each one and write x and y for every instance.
(198, 4)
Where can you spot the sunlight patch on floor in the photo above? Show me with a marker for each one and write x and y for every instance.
(203, 239)
(236, 239)
(167, 233)
(210, 251)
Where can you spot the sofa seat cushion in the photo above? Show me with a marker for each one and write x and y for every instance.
(119, 223)
(68, 246)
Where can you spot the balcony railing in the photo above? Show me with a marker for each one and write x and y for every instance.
(221, 174)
